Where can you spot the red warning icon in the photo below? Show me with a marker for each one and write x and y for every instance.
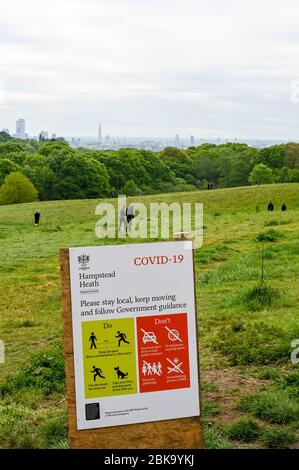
(163, 353)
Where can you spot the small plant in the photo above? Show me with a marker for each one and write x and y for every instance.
(245, 430)
(278, 438)
(209, 387)
(268, 373)
(61, 444)
(238, 326)
(54, 429)
(26, 323)
(291, 384)
(268, 236)
(292, 379)
(260, 297)
(211, 408)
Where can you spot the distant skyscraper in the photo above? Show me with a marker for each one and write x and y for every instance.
(191, 140)
(100, 139)
(44, 135)
(177, 140)
(20, 129)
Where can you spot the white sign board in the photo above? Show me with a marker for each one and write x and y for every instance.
(134, 333)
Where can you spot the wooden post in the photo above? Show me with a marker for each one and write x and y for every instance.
(183, 433)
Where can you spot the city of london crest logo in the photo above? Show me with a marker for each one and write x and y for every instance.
(83, 260)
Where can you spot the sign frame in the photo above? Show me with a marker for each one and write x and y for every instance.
(178, 433)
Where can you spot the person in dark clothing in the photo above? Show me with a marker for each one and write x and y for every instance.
(270, 206)
(283, 207)
(36, 217)
(130, 215)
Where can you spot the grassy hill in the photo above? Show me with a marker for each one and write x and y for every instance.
(249, 385)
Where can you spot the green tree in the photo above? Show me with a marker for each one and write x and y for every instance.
(6, 167)
(37, 168)
(78, 177)
(180, 163)
(16, 189)
(56, 147)
(273, 157)
(292, 156)
(206, 166)
(130, 188)
(261, 174)
(15, 151)
(5, 137)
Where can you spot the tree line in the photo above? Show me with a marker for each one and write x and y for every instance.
(52, 170)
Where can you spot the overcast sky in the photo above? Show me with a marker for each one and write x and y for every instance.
(212, 68)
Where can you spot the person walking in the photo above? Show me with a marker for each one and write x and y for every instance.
(270, 206)
(36, 217)
(130, 215)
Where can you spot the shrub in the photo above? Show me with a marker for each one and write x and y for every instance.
(261, 174)
(16, 189)
(130, 188)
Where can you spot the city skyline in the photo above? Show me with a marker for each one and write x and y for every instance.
(203, 69)
(20, 125)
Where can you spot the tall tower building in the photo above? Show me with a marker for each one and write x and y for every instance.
(100, 138)
(191, 140)
(177, 140)
(20, 129)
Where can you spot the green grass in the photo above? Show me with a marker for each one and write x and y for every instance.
(235, 336)
(215, 440)
(260, 297)
(45, 372)
(278, 438)
(210, 408)
(254, 342)
(268, 373)
(269, 236)
(245, 430)
(274, 406)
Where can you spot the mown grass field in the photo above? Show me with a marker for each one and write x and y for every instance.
(250, 388)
